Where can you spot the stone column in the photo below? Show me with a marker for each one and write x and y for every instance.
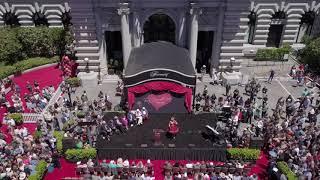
(195, 11)
(124, 11)
(182, 30)
(218, 38)
(137, 30)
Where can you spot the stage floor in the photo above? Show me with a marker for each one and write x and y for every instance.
(189, 143)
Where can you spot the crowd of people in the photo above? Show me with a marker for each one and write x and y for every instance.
(35, 100)
(234, 108)
(293, 136)
(19, 158)
(119, 169)
(234, 170)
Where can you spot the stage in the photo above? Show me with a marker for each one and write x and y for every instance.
(138, 141)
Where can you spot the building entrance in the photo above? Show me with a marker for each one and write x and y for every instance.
(159, 27)
(114, 51)
(204, 50)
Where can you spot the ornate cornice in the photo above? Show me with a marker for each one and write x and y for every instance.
(124, 9)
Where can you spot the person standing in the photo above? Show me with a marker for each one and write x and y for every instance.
(271, 76)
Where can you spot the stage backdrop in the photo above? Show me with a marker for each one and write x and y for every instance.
(161, 96)
(161, 102)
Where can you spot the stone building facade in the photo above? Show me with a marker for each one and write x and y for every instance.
(217, 33)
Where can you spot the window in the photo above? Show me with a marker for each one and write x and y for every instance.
(276, 29)
(306, 25)
(252, 26)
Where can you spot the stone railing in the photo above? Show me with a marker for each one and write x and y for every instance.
(31, 117)
(55, 97)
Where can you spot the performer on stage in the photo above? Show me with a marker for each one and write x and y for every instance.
(173, 128)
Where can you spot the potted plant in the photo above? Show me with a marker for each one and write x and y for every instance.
(74, 82)
(17, 117)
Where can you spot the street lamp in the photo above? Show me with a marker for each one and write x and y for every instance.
(86, 60)
(99, 75)
(69, 94)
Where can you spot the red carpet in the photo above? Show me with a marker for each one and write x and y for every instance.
(45, 77)
(260, 168)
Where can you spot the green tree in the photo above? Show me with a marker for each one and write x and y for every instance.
(10, 47)
(311, 55)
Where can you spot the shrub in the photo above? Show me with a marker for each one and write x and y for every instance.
(273, 54)
(59, 136)
(80, 154)
(40, 171)
(243, 153)
(10, 47)
(74, 81)
(284, 169)
(17, 117)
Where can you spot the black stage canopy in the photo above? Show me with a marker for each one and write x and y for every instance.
(159, 61)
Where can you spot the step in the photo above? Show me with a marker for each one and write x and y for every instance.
(85, 37)
(227, 61)
(91, 49)
(91, 56)
(84, 68)
(227, 67)
(232, 54)
(90, 62)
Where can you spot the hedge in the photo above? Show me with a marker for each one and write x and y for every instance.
(40, 171)
(80, 154)
(59, 137)
(6, 71)
(243, 153)
(272, 54)
(284, 169)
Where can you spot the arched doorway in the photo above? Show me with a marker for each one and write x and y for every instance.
(159, 27)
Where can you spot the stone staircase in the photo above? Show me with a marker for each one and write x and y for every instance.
(84, 28)
(234, 32)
